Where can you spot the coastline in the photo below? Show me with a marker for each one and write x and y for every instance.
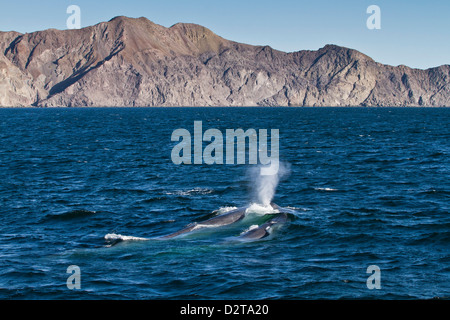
(233, 107)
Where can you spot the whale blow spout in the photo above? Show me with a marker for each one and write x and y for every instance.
(264, 186)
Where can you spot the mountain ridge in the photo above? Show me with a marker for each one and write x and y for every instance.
(135, 62)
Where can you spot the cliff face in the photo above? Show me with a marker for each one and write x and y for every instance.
(134, 62)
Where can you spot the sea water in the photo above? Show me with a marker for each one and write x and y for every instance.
(364, 186)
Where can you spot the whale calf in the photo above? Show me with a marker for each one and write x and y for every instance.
(221, 220)
(265, 229)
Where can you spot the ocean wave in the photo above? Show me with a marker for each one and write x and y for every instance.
(152, 199)
(195, 191)
(111, 237)
(73, 214)
(434, 238)
(325, 189)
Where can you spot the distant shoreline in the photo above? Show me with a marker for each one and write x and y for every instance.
(234, 107)
(189, 65)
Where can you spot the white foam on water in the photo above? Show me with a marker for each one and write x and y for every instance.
(325, 189)
(113, 236)
(296, 208)
(259, 209)
(189, 192)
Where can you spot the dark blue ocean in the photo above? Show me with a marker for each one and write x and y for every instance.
(365, 186)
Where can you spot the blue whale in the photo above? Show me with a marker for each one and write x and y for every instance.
(222, 220)
(265, 229)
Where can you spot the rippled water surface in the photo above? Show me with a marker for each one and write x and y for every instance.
(366, 186)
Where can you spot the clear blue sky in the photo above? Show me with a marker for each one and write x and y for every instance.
(415, 33)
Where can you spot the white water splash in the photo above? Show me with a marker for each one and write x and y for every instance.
(113, 236)
(259, 209)
(195, 191)
(325, 189)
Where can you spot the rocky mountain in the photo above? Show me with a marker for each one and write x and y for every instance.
(135, 62)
